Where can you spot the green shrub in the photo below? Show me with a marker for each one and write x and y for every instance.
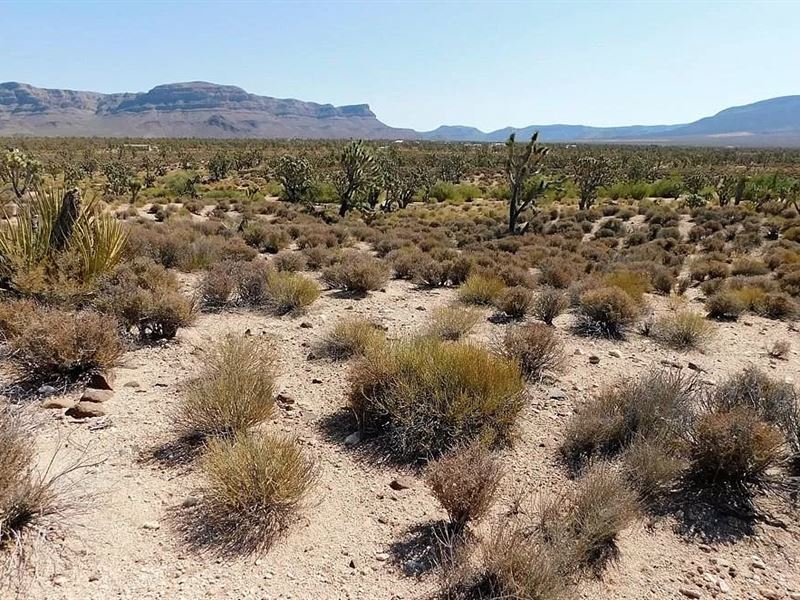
(426, 396)
(515, 302)
(481, 289)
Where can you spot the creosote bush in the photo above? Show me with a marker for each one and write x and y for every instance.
(515, 302)
(683, 330)
(49, 342)
(235, 391)
(350, 337)
(536, 348)
(254, 483)
(452, 322)
(481, 289)
(465, 482)
(607, 311)
(425, 396)
(358, 273)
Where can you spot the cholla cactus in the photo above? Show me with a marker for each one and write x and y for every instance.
(358, 171)
(520, 166)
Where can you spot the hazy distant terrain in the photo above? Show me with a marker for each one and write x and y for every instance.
(207, 110)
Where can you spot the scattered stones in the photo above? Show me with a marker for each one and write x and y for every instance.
(102, 380)
(96, 395)
(401, 483)
(87, 410)
(594, 359)
(353, 439)
(60, 403)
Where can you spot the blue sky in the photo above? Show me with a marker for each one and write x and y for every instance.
(422, 64)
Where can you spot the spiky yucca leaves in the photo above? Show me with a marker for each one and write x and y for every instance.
(358, 171)
(55, 223)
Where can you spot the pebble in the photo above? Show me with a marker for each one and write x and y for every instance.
(382, 556)
(689, 593)
(594, 359)
(353, 439)
(152, 525)
(401, 483)
(615, 354)
(47, 390)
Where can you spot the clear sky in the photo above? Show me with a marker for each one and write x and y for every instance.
(423, 64)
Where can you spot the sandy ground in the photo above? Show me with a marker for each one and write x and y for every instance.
(348, 541)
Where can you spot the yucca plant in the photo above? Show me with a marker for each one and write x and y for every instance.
(55, 222)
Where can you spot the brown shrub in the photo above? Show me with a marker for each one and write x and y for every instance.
(683, 330)
(549, 303)
(289, 260)
(652, 466)
(358, 273)
(452, 322)
(536, 348)
(725, 306)
(350, 337)
(515, 301)
(465, 482)
(217, 286)
(606, 311)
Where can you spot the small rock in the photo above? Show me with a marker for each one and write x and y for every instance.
(421, 308)
(60, 402)
(94, 576)
(723, 586)
(248, 331)
(757, 563)
(615, 354)
(557, 394)
(284, 399)
(152, 525)
(59, 580)
(594, 359)
(87, 410)
(352, 564)
(95, 395)
(689, 593)
(671, 363)
(696, 367)
(315, 380)
(47, 390)
(770, 594)
(382, 556)
(353, 439)
(102, 380)
(306, 325)
(190, 501)
(578, 352)
(401, 483)
(131, 384)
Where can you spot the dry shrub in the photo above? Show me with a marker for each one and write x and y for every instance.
(251, 282)
(749, 266)
(652, 466)
(253, 486)
(536, 348)
(725, 306)
(481, 289)
(234, 392)
(426, 396)
(557, 273)
(289, 260)
(633, 283)
(290, 292)
(779, 349)
(217, 286)
(550, 303)
(465, 482)
(657, 405)
(734, 449)
(429, 272)
(683, 330)
(778, 306)
(606, 311)
(404, 262)
(49, 342)
(515, 301)
(452, 322)
(350, 337)
(358, 273)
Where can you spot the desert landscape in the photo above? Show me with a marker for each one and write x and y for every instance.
(344, 369)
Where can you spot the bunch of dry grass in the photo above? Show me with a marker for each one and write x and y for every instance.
(536, 348)
(235, 391)
(725, 306)
(683, 330)
(452, 322)
(465, 482)
(426, 396)
(253, 486)
(217, 286)
(607, 311)
(357, 272)
(652, 466)
(288, 292)
(49, 342)
(481, 289)
(515, 302)
(350, 337)
(549, 303)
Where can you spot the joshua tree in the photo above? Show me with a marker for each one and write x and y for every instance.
(18, 169)
(218, 166)
(520, 166)
(358, 171)
(589, 173)
(295, 175)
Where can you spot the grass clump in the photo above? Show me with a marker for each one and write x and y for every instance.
(536, 348)
(235, 391)
(426, 396)
(357, 273)
(683, 330)
(452, 322)
(481, 289)
(548, 304)
(515, 302)
(253, 486)
(350, 337)
(725, 306)
(465, 483)
(288, 292)
(606, 311)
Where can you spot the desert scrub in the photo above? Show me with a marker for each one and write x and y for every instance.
(253, 485)
(536, 348)
(350, 337)
(481, 289)
(683, 330)
(607, 311)
(515, 302)
(425, 396)
(50, 343)
(548, 304)
(653, 466)
(290, 292)
(725, 306)
(217, 286)
(465, 483)
(452, 322)
(356, 272)
(235, 391)
(289, 260)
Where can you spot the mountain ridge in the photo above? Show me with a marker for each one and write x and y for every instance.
(208, 110)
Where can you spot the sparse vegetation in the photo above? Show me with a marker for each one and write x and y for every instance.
(452, 322)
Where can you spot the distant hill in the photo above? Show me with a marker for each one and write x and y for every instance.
(208, 110)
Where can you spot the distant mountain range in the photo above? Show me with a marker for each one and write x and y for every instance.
(207, 110)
